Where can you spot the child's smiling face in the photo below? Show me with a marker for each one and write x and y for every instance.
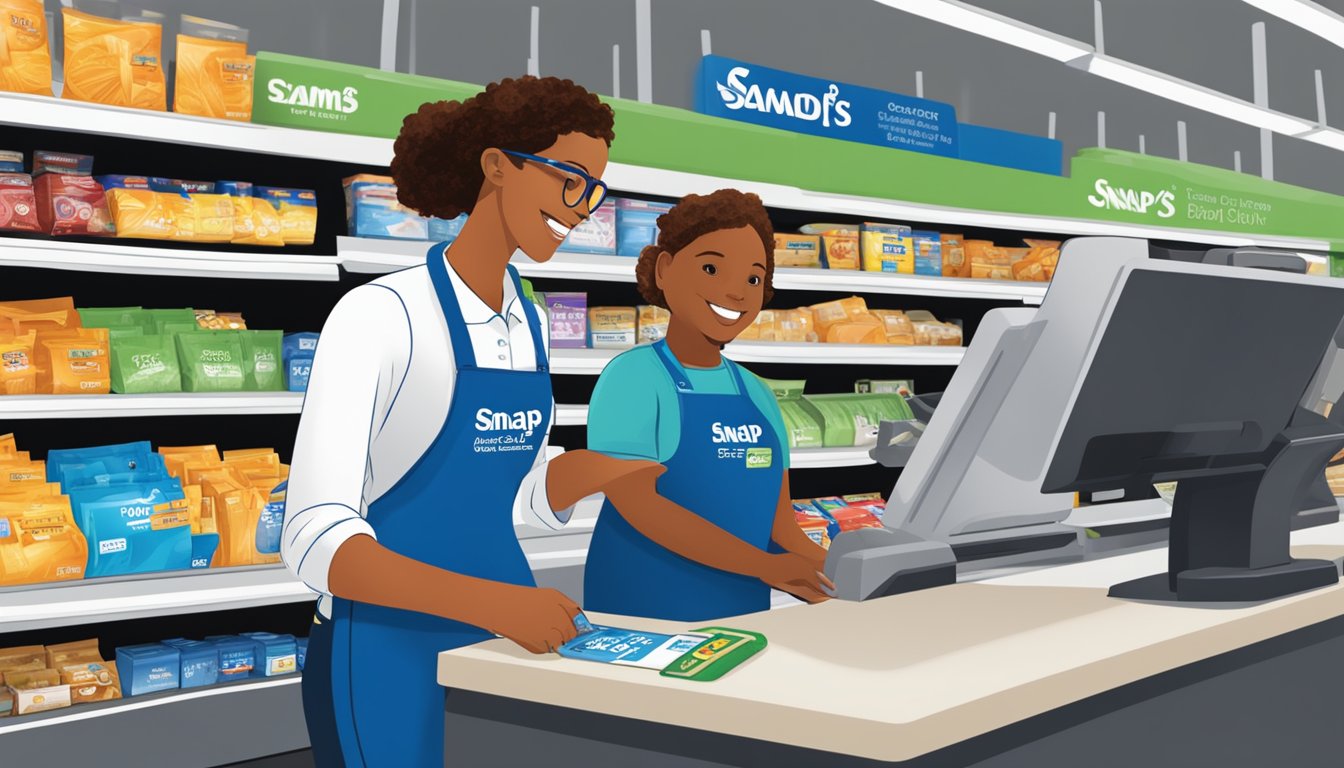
(716, 283)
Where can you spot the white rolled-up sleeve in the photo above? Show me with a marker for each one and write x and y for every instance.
(532, 505)
(350, 389)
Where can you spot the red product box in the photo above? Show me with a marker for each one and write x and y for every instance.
(18, 204)
(853, 518)
(72, 205)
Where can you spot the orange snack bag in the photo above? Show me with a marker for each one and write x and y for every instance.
(40, 542)
(38, 314)
(955, 261)
(214, 78)
(74, 362)
(115, 62)
(25, 58)
(18, 368)
(23, 472)
(897, 324)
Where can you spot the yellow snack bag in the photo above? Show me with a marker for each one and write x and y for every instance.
(214, 78)
(40, 542)
(795, 325)
(137, 210)
(25, 58)
(298, 212)
(897, 324)
(74, 362)
(23, 472)
(255, 221)
(18, 366)
(213, 218)
(108, 61)
(652, 323)
(888, 248)
(841, 310)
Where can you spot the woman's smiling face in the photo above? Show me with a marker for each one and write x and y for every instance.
(716, 283)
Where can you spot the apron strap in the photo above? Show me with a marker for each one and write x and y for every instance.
(673, 367)
(737, 376)
(463, 355)
(533, 322)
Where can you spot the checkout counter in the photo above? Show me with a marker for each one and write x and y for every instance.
(1221, 649)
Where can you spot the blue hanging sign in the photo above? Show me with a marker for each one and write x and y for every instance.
(751, 93)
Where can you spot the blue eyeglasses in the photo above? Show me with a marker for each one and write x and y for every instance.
(579, 186)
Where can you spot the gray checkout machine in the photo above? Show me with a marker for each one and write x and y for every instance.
(1142, 365)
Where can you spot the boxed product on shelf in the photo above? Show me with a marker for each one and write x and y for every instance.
(82, 667)
(897, 326)
(301, 646)
(887, 248)
(929, 331)
(69, 200)
(297, 209)
(298, 352)
(988, 261)
(839, 245)
(852, 419)
(873, 502)
(852, 518)
(237, 656)
(37, 690)
(446, 230)
(214, 73)
(18, 201)
(275, 654)
(595, 234)
(372, 210)
(955, 263)
(144, 364)
(23, 39)
(39, 538)
(113, 61)
(652, 323)
(239, 493)
(793, 325)
(568, 314)
(612, 327)
(198, 662)
(817, 529)
(637, 224)
(848, 321)
(797, 250)
(149, 668)
(255, 221)
(928, 248)
(902, 387)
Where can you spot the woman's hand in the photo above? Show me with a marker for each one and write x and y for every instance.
(797, 576)
(540, 620)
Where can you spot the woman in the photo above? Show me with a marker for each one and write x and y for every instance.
(425, 427)
(692, 544)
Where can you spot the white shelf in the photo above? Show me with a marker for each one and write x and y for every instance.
(590, 362)
(119, 599)
(84, 118)
(826, 458)
(168, 404)
(29, 111)
(117, 258)
(372, 256)
(571, 415)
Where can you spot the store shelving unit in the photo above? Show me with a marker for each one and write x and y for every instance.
(117, 257)
(128, 406)
(590, 362)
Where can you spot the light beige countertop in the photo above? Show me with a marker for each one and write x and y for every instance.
(899, 677)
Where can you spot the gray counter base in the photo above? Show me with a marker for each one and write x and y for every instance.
(1274, 703)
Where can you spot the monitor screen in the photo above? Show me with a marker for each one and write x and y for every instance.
(1194, 372)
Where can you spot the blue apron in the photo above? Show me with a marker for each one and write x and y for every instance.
(727, 469)
(371, 671)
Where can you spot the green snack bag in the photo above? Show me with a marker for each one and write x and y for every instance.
(174, 328)
(724, 651)
(123, 331)
(144, 364)
(158, 318)
(211, 362)
(261, 360)
(801, 424)
(785, 389)
(110, 317)
(851, 420)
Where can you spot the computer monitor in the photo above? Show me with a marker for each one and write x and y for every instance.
(1196, 373)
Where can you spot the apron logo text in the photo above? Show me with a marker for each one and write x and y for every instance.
(747, 433)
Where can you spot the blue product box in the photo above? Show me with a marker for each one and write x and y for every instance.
(271, 521)
(928, 253)
(446, 230)
(596, 234)
(237, 656)
(372, 210)
(637, 224)
(302, 645)
(203, 547)
(148, 668)
(275, 654)
(200, 662)
(11, 162)
(299, 345)
(297, 371)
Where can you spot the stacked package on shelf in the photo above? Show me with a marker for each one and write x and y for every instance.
(18, 202)
(835, 421)
(825, 518)
(39, 678)
(39, 538)
(298, 350)
(114, 61)
(373, 210)
(47, 351)
(70, 201)
(850, 321)
(237, 497)
(26, 66)
(214, 72)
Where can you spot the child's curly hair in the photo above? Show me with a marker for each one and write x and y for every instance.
(437, 162)
(696, 215)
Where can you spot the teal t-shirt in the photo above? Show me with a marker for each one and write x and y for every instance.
(633, 413)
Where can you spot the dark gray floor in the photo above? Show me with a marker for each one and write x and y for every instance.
(300, 759)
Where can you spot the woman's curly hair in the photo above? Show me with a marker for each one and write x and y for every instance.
(696, 215)
(437, 162)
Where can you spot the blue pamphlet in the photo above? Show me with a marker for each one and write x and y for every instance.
(628, 647)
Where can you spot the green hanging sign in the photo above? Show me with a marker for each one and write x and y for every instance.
(1103, 185)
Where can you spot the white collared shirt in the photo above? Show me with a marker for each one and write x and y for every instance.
(381, 384)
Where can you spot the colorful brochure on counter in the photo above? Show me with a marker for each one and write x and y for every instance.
(705, 654)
